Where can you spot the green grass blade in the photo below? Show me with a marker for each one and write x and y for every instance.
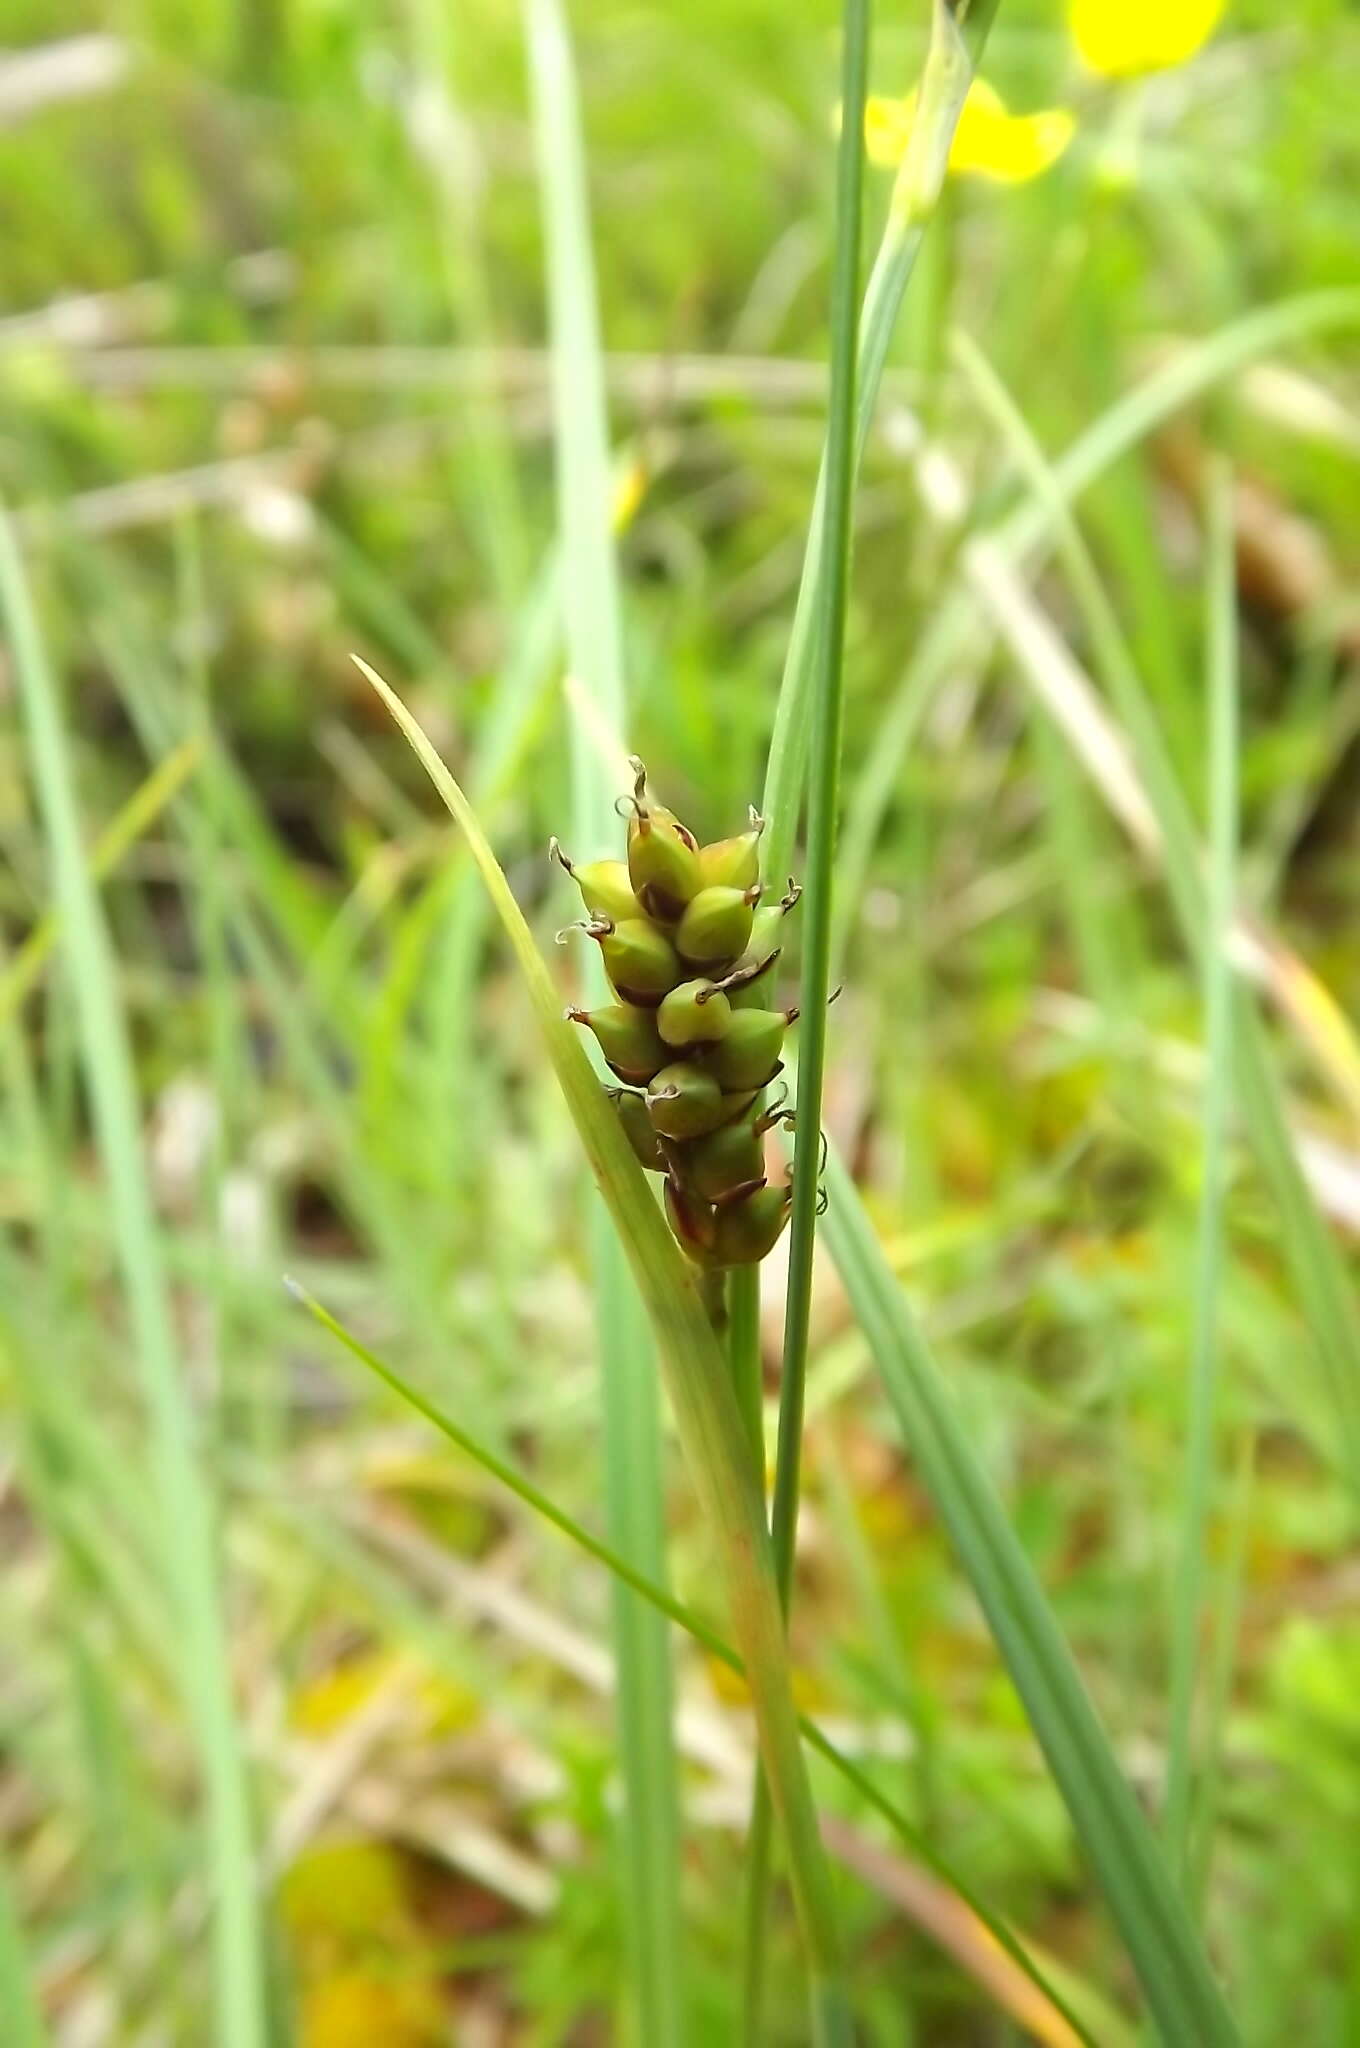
(633, 1454)
(1161, 1941)
(944, 87)
(827, 615)
(634, 1501)
(744, 1361)
(491, 488)
(588, 584)
(22, 973)
(1062, 2010)
(24, 2026)
(1197, 1486)
(1229, 1590)
(827, 720)
(183, 1496)
(710, 1427)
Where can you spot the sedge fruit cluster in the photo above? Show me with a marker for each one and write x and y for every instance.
(690, 952)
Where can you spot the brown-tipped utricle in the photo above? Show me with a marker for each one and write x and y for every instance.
(731, 1157)
(628, 1038)
(733, 863)
(639, 1130)
(716, 926)
(639, 960)
(745, 1231)
(748, 1054)
(663, 855)
(605, 887)
(692, 1223)
(739, 1232)
(684, 1101)
(694, 1013)
(747, 981)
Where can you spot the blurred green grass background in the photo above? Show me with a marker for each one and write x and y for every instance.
(273, 389)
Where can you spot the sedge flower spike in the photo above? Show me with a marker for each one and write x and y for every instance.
(1117, 39)
(695, 1036)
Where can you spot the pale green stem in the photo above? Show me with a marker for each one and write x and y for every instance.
(1218, 1011)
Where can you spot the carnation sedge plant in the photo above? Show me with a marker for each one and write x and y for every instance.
(693, 1037)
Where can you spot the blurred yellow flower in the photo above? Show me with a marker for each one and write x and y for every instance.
(989, 142)
(1120, 38)
(356, 2011)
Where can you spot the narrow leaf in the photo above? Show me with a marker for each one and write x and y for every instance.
(634, 1465)
(1158, 1933)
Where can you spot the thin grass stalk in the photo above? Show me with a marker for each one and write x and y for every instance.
(443, 935)
(836, 491)
(1175, 385)
(24, 2025)
(1227, 1606)
(743, 1351)
(824, 793)
(944, 87)
(743, 1357)
(22, 972)
(186, 1508)
(1220, 887)
(496, 522)
(813, 670)
(649, 1823)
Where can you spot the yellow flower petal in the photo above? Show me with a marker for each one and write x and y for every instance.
(1010, 148)
(1120, 38)
(887, 124)
(357, 2008)
(988, 142)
